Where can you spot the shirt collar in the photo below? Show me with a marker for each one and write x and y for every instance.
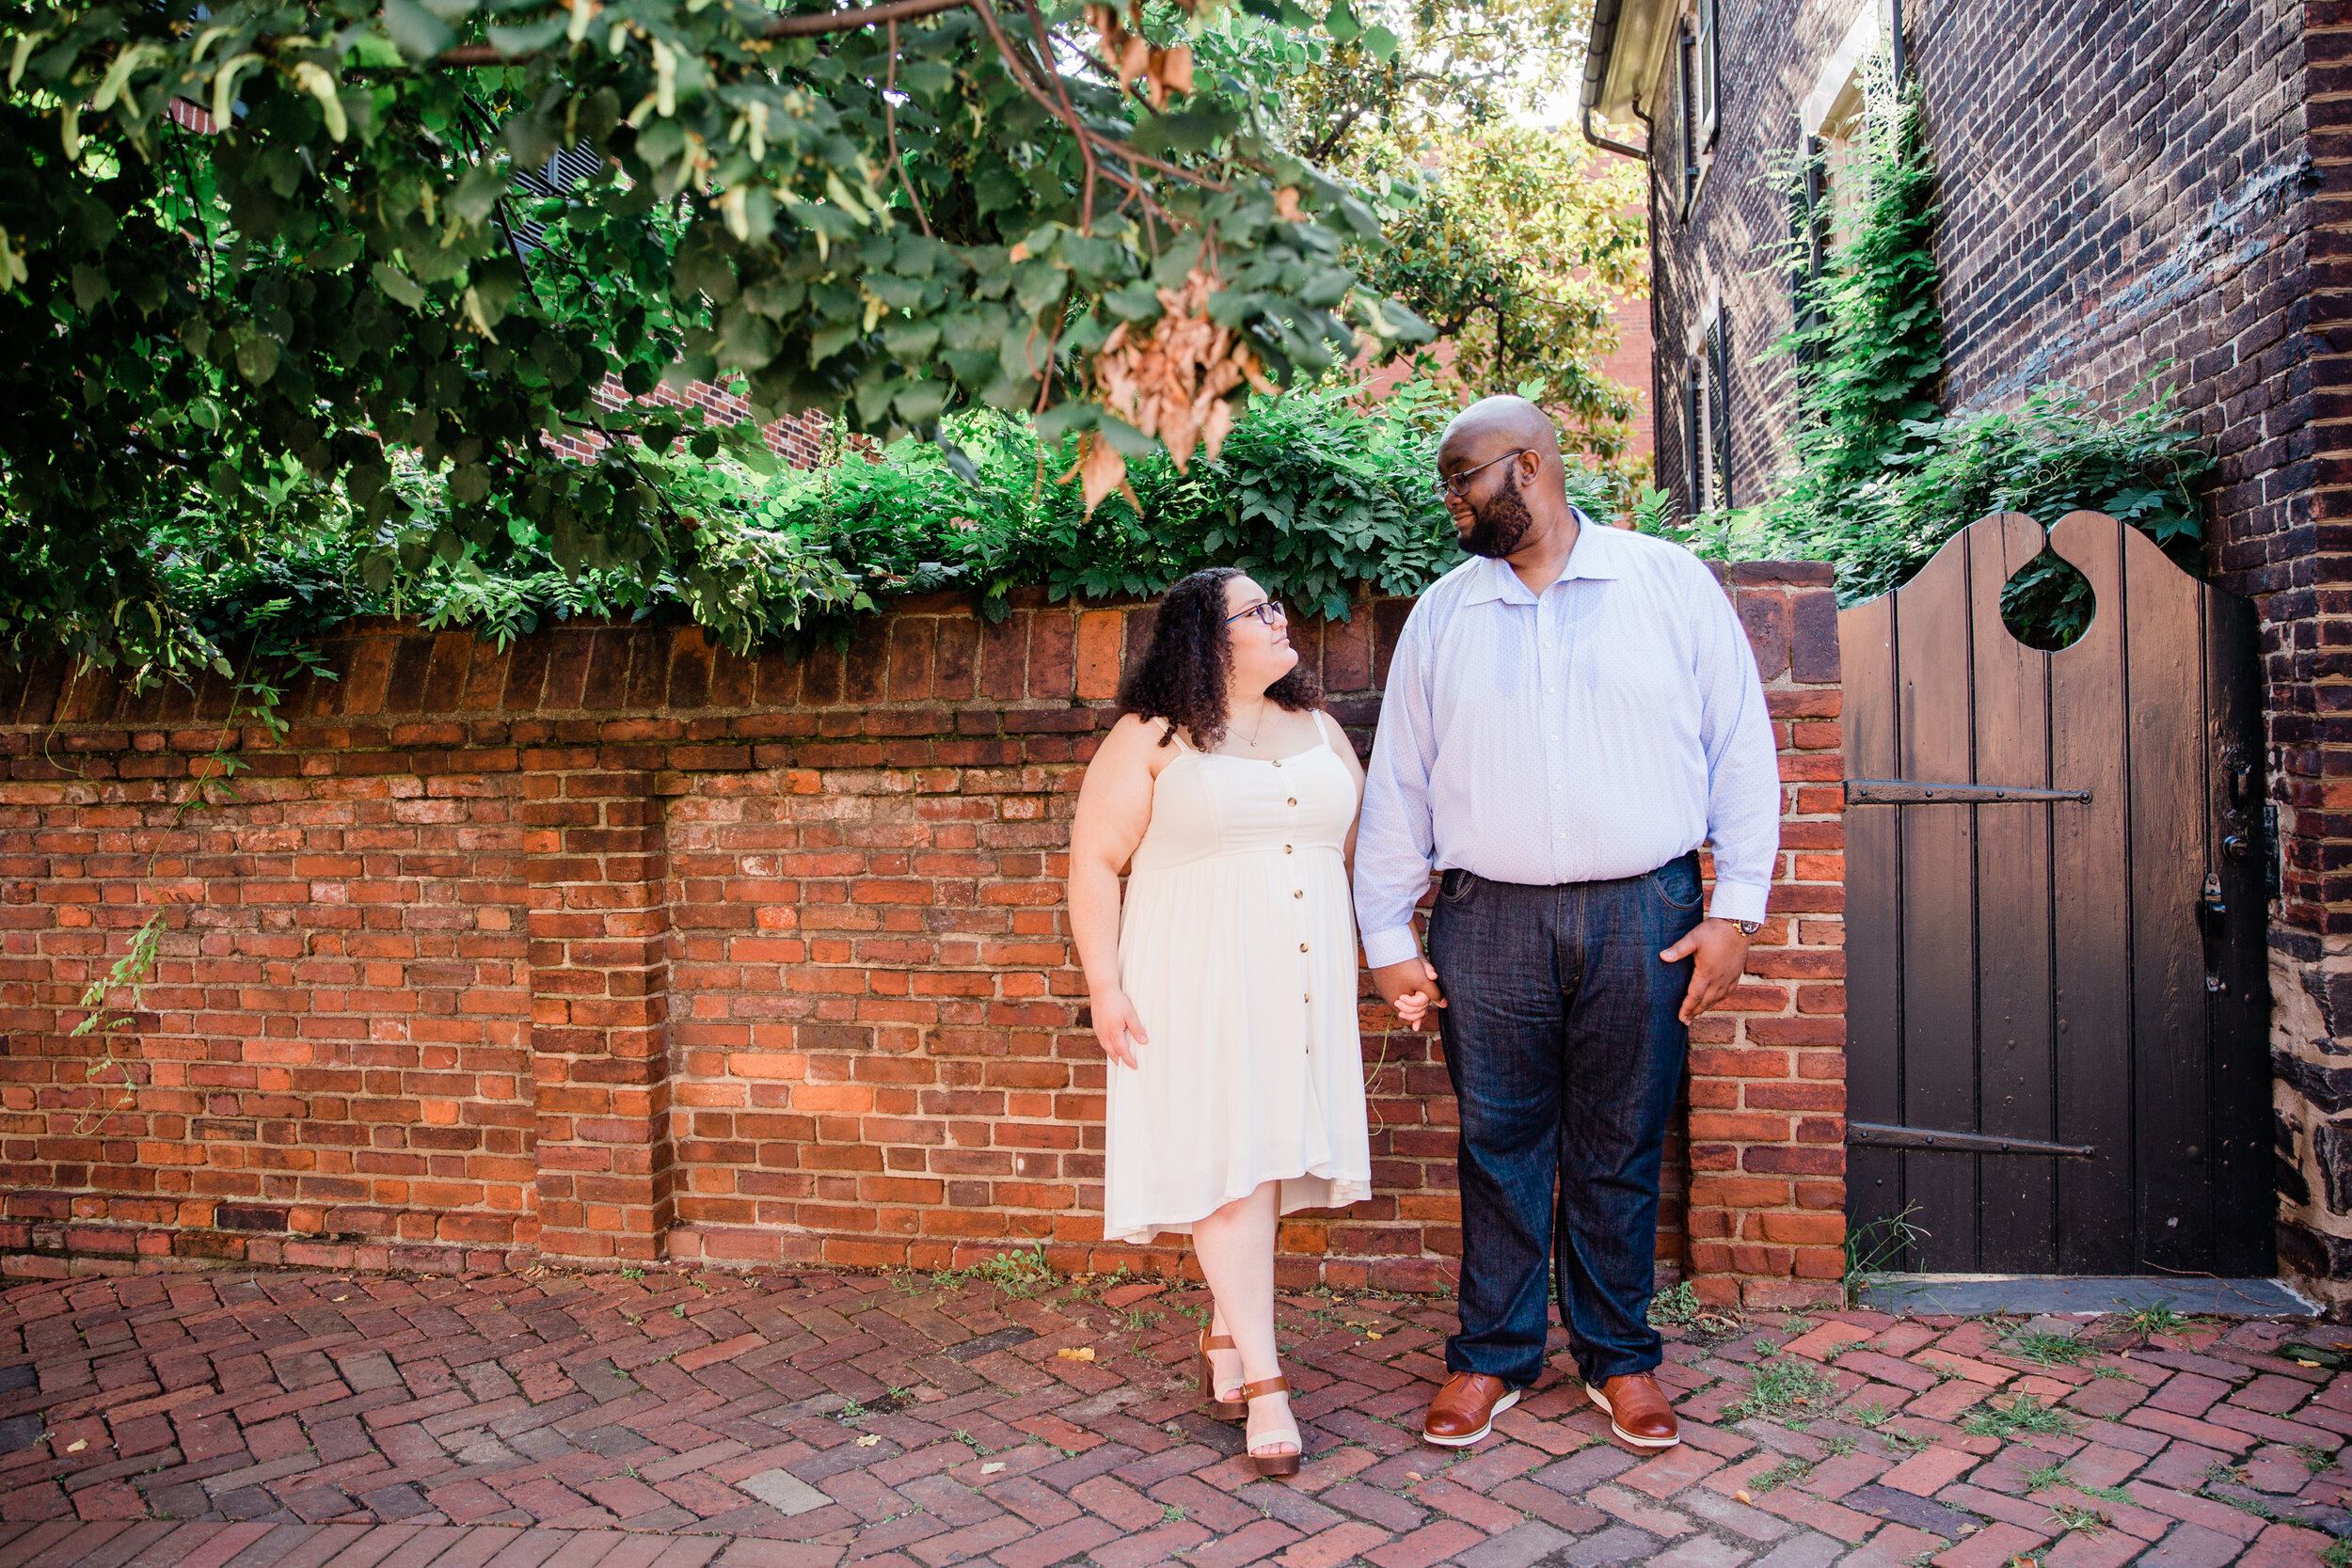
(1596, 555)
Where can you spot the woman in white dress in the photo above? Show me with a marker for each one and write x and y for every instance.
(1224, 997)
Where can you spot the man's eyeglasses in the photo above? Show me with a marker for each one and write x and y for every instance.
(1453, 484)
(1267, 613)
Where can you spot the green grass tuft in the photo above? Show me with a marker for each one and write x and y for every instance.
(1779, 1475)
(1788, 1390)
(1676, 1307)
(2048, 1349)
(2022, 1415)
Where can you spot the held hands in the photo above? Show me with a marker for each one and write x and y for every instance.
(1411, 989)
(1117, 1027)
(1722, 949)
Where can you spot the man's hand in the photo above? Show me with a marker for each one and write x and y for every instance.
(1723, 955)
(1413, 979)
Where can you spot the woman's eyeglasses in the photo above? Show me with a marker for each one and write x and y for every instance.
(1267, 613)
(1455, 484)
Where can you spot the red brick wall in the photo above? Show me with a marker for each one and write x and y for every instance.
(613, 945)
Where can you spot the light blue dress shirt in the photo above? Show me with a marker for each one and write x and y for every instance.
(1596, 731)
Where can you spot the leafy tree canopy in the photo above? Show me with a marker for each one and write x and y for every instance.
(893, 213)
(1513, 237)
(1516, 253)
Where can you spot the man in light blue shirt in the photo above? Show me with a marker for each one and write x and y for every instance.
(1568, 716)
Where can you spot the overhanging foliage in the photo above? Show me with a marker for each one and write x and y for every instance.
(889, 214)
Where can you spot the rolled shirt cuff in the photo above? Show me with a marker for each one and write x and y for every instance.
(1391, 947)
(1738, 901)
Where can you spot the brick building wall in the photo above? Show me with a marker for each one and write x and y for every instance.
(2128, 193)
(2307, 619)
(2120, 187)
(612, 946)
(800, 440)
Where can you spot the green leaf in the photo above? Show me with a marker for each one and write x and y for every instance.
(257, 357)
(90, 288)
(921, 402)
(477, 194)
(528, 38)
(1132, 443)
(825, 343)
(417, 32)
(926, 78)
(397, 284)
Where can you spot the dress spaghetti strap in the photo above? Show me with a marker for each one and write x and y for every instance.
(1328, 728)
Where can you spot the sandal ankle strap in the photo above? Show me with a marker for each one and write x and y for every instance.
(1221, 1341)
(1265, 1385)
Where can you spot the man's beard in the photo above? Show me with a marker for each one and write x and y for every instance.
(1501, 525)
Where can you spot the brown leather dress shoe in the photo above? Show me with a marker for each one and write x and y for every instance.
(1465, 1409)
(1638, 1411)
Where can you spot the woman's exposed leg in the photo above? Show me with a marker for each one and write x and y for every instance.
(1236, 1249)
(1224, 1365)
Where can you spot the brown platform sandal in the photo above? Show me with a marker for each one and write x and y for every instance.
(1223, 1410)
(1272, 1464)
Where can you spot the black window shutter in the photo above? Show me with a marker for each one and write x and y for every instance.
(1718, 412)
(1694, 435)
(1816, 220)
(1806, 232)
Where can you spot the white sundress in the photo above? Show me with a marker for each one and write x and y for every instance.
(1237, 946)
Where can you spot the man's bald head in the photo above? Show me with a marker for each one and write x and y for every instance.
(1494, 425)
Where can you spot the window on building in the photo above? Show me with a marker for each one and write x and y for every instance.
(1831, 121)
(1697, 113)
(1808, 232)
(1707, 419)
(1706, 63)
(1685, 122)
(568, 168)
(1719, 411)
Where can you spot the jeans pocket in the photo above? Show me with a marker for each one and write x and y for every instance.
(1677, 883)
(1456, 885)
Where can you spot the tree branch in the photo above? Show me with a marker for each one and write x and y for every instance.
(1069, 115)
(890, 127)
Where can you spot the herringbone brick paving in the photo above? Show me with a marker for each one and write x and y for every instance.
(286, 1419)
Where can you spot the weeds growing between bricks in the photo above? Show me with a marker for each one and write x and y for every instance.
(253, 695)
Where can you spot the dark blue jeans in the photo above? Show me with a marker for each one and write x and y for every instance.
(1564, 1051)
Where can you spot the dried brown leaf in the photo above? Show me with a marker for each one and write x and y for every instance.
(1100, 470)
(1217, 426)
(1173, 69)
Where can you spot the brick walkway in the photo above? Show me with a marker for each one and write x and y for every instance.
(294, 1420)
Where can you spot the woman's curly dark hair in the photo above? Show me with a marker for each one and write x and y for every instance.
(1182, 677)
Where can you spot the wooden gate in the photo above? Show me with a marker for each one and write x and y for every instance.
(2057, 869)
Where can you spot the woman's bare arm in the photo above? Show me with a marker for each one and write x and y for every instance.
(1114, 811)
(1337, 739)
